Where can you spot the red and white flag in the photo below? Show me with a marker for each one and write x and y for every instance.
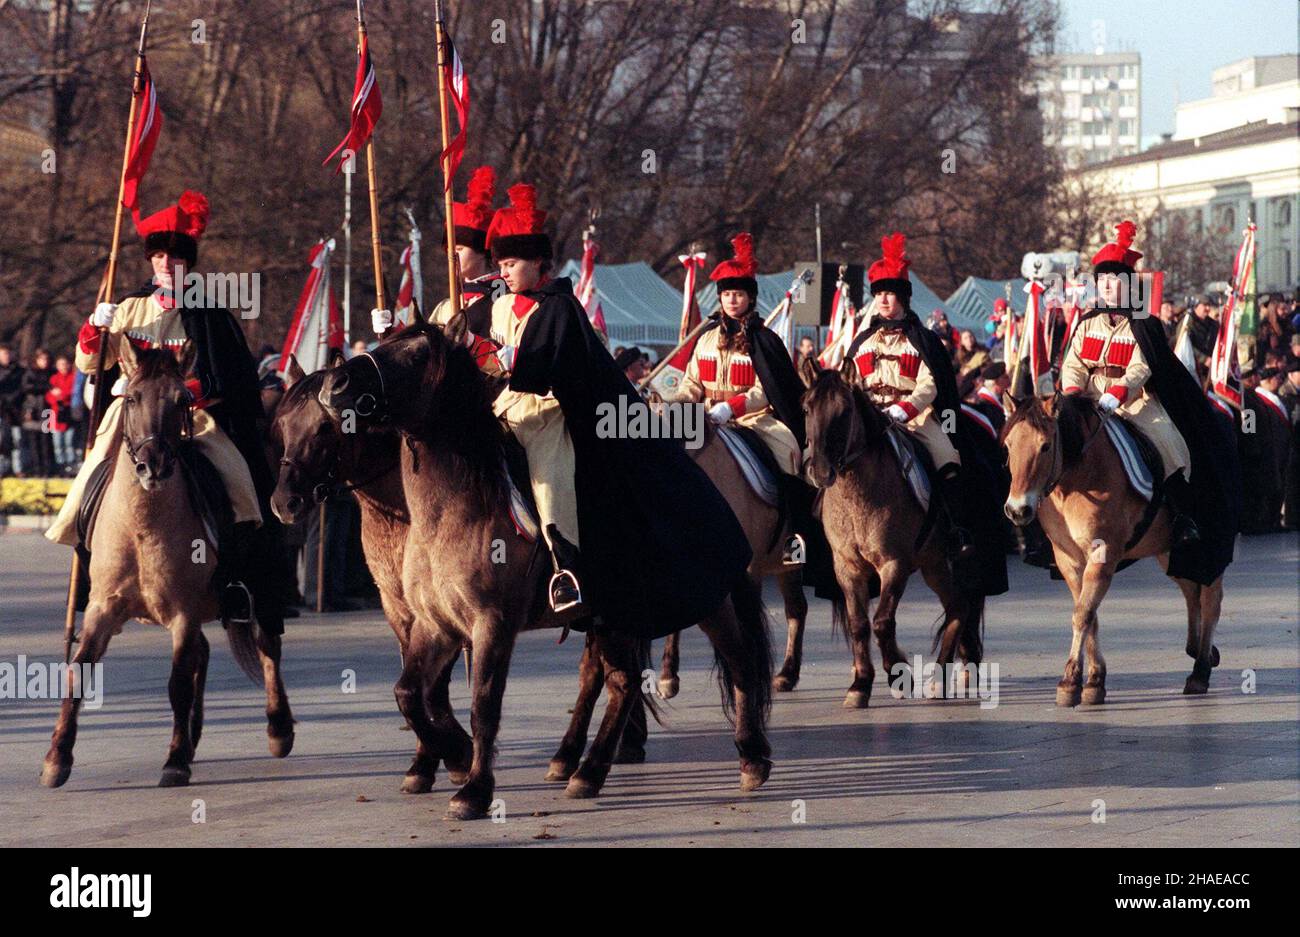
(843, 327)
(457, 80)
(317, 324)
(693, 263)
(148, 126)
(1225, 370)
(1033, 341)
(367, 105)
(410, 293)
(586, 291)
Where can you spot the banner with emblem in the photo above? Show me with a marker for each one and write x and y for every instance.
(1225, 369)
(317, 325)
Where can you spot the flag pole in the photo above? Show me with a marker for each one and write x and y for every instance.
(374, 189)
(453, 277)
(98, 404)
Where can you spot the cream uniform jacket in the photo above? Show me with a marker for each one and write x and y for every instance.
(538, 423)
(891, 371)
(720, 375)
(143, 320)
(1104, 357)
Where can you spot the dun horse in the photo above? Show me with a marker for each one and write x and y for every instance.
(872, 522)
(470, 578)
(143, 566)
(1090, 514)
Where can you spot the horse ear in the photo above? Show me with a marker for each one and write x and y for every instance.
(808, 369)
(336, 358)
(293, 373)
(456, 328)
(1052, 404)
(1009, 403)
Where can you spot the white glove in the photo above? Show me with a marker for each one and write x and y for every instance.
(506, 355)
(897, 413)
(720, 412)
(381, 320)
(119, 386)
(102, 317)
(1109, 403)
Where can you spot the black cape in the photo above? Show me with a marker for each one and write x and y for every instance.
(478, 312)
(1264, 453)
(1216, 469)
(660, 547)
(775, 371)
(227, 374)
(983, 480)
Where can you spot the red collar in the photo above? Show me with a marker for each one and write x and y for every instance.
(524, 304)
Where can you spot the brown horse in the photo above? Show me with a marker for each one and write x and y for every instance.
(767, 531)
(320, 460)
(143, 565)
(469, 576)
(1091, 514)
(876, 529)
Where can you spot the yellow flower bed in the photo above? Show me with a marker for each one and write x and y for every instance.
(32, 495)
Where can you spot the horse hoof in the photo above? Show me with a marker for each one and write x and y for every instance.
(1068, 696)
(465, 809)
(783, 683)
(1196, 686)
(174, 777)
(457, 776)
(280, 746)
(55, 775)
(581, 789)
(754, 774)
(1214, 656)
(629, 756)
(857, 699)
(668, 687)
(1093, 695)
(561, 770)
(417, 784)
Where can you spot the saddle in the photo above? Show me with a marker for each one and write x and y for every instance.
(755, 460)
(1144, 469)
(523, 507)
(915, 462)
(203, 486)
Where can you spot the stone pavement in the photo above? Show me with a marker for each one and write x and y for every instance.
(1166, 770)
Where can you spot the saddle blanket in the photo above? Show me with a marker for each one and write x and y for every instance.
(521, 510)
(912, 468)
(1135, 467)
(757, 474)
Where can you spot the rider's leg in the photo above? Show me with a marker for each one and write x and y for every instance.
(1178, 495)
(948, 479)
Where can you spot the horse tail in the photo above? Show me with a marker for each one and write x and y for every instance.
(971, 635)
(755, 649)
(242, 636)
(840, 617)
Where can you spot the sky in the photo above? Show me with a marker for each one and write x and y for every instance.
(1181, 42)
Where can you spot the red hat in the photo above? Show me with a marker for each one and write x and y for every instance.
(741, 271)
(999, 305)
(516, 231)
(889, 273)
(472, 216)
(1116, 257)
(177, 228)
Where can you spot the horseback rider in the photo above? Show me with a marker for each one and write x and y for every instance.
(637, 532)
(480, 284)
(1108, 363)
(222, 380)
(743, 371)
(905, 370)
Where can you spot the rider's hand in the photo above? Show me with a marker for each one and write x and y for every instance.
(381, 320)
(119, 386)
(720, 412)
(1109, 403)
(897, 413)
(102, 317)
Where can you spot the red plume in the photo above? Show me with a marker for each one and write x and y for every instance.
(742, 249)
(1125, 232)
(195, 206)
(894, 247)
(482, 188)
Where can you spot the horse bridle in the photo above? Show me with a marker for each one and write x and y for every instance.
(1058, 456)
(187, 432)
(372, 406)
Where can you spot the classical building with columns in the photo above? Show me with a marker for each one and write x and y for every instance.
(1233, 157)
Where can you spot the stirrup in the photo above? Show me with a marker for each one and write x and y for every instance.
(963, 547)
(1185, 530)
(564, 591)
(235, 598)
(795, 552)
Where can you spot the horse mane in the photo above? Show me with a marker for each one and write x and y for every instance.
(152, 363)
(1071, 416)
(460, 421)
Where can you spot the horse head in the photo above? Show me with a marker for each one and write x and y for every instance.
(839, 423)
(1035, 450)
(310, 441)
(156, 412)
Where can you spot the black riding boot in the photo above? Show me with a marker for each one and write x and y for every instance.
(1178, 495)
(949, 491)
(565, 591)
(799, 500)
(233, 555)
(1035, 550)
